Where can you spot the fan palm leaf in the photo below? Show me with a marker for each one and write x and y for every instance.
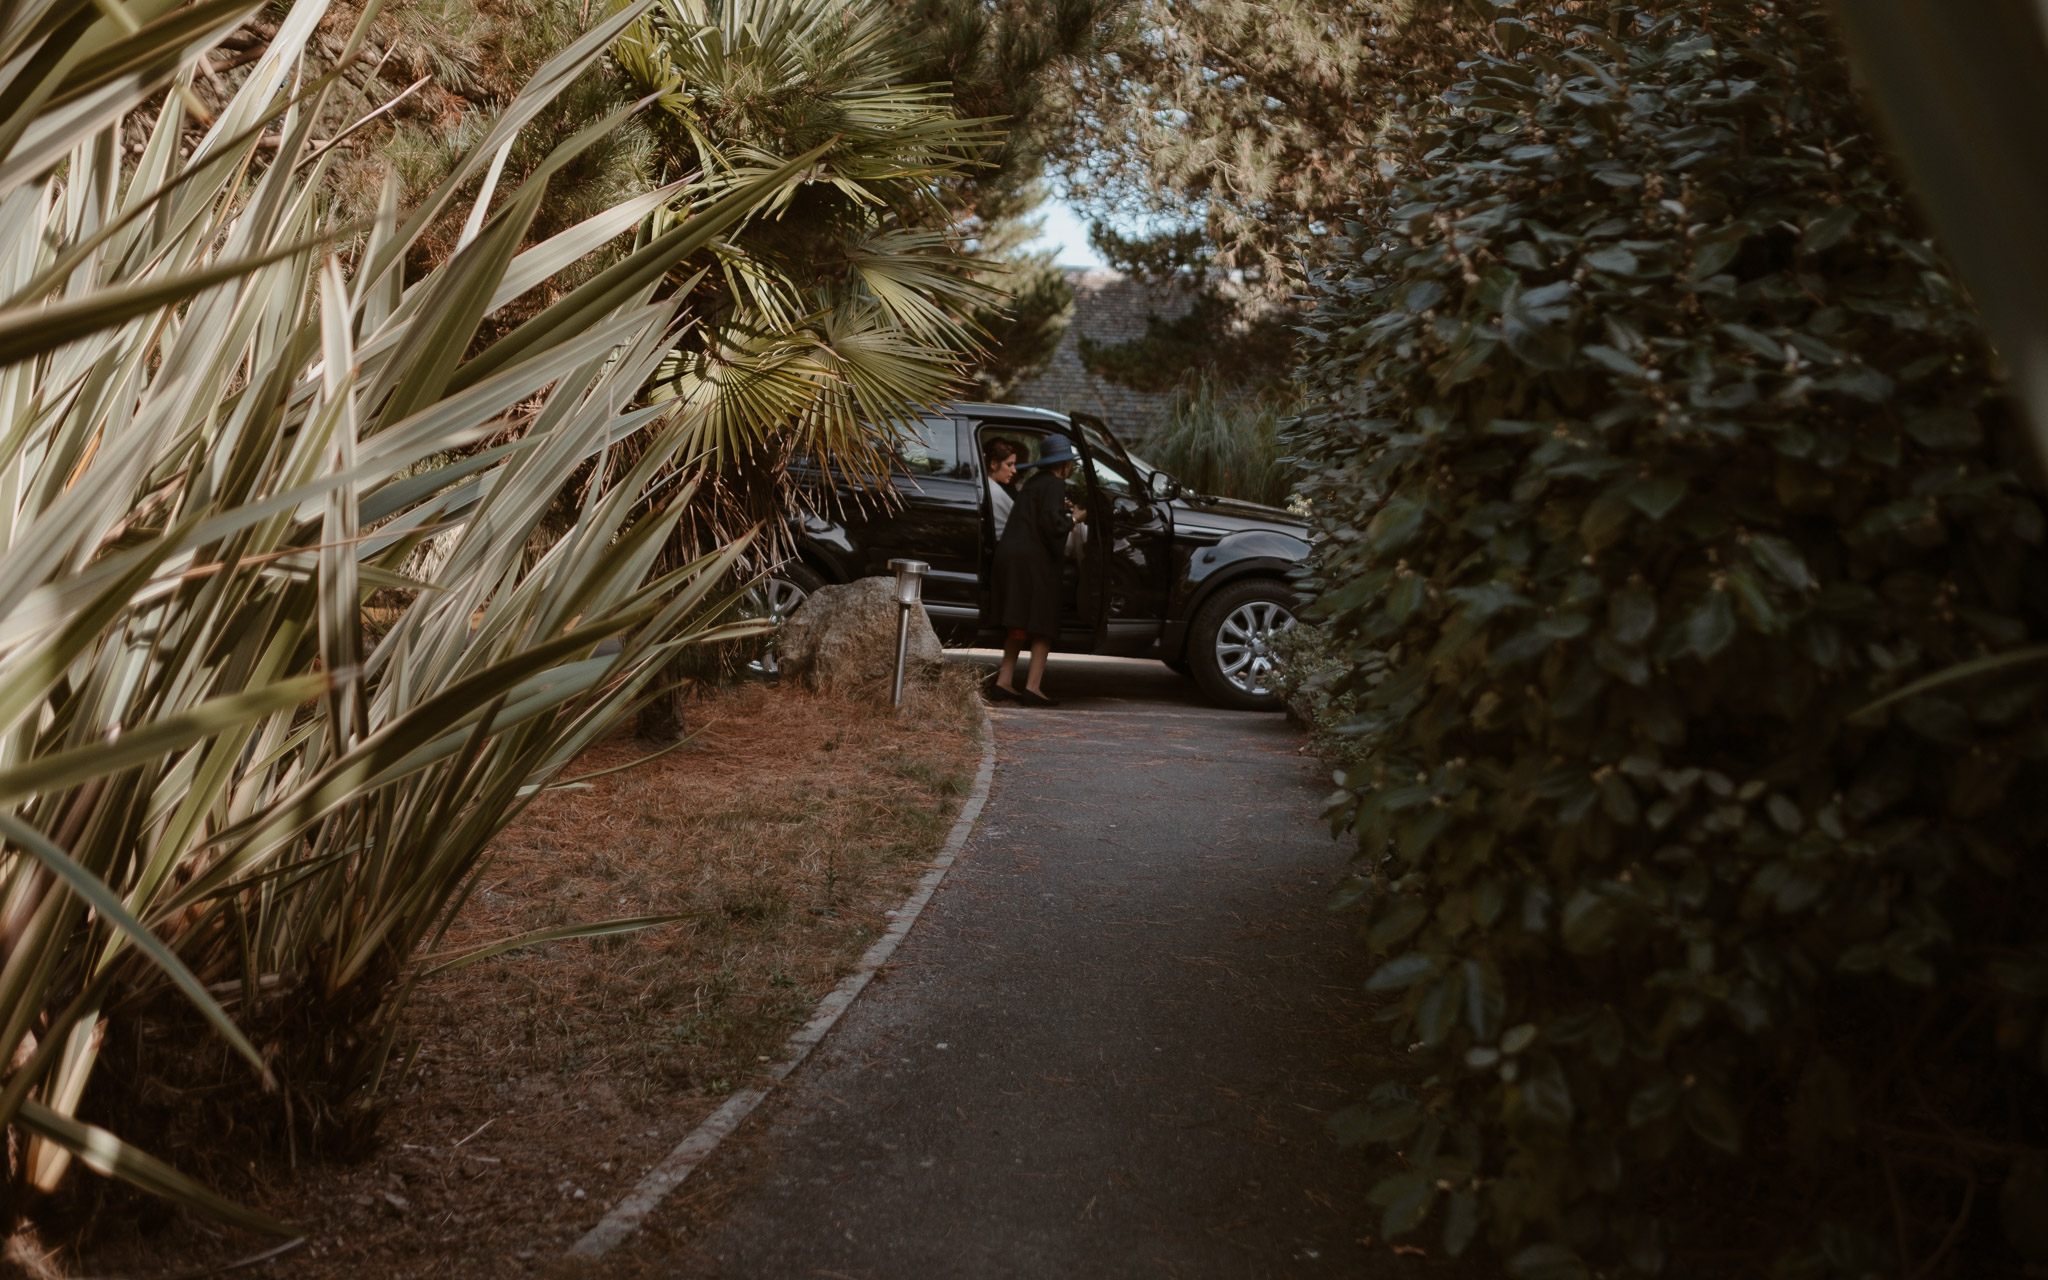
(848, 300)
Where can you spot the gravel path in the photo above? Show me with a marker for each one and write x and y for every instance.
(1110, 1044)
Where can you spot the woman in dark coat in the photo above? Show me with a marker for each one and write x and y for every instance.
(1027, 569)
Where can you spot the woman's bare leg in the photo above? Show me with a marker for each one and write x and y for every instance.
(1006, 676)
(1039, 648)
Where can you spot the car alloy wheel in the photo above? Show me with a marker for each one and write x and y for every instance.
(1244, 645)
(774, 598)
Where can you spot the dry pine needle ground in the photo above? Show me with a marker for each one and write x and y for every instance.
(546, 1081)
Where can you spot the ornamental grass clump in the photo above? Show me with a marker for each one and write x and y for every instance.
(1220, 443)
(1662, 463)
(237, 818)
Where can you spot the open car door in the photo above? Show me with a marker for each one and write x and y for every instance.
(1131, 544)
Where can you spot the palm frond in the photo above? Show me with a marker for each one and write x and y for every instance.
(847, 297)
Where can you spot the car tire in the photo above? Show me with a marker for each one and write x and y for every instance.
(1228, 643)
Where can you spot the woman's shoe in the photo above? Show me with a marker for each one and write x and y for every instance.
(1033, 698)
(996, 693)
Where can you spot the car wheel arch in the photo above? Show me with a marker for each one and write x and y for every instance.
(818, 565)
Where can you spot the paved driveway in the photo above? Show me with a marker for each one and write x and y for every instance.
(1110, 1044)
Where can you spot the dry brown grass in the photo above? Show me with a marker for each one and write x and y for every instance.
(545, 1082)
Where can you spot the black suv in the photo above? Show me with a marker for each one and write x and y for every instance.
(1196, 582)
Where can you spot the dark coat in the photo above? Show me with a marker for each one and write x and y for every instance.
(1027, 568)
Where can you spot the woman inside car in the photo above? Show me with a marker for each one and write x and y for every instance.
(999, 464)
(1027, 569)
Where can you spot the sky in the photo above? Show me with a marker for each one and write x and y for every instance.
(1068, 233)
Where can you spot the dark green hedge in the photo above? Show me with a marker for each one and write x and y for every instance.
(1651, 440)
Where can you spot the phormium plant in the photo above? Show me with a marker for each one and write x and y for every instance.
(1652, 444)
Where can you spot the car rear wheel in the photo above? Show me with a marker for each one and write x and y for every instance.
(776, 597)
(1230, 646)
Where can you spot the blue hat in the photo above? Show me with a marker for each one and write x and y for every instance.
(1053, 450)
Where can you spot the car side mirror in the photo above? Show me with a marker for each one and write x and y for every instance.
(1162, 486)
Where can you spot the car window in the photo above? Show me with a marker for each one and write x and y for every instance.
(1030, 442)
(1112, 470)
(1110, 477)
(1027, 443)
(930, 447)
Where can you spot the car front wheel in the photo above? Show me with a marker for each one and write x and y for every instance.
(1230, 645)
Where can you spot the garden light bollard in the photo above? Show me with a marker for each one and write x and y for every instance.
(909, 595)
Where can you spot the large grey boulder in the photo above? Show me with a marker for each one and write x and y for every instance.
(844, 638)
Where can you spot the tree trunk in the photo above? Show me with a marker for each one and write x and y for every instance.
(661, 721)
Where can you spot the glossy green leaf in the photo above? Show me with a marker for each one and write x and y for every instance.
(1485, 1000)
(1378, 1121)
(1632, 614)
(1652, 1101)
(1710, 627)
(1405, 1200)
(1656, 496)
(1546, 1096)
(1588, 920)
(1547, 1262)
(1461, 1222)
(1710, 1115)
(1400, 973)
(1397, 522)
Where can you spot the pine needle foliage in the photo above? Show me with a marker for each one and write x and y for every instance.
(1219, 142)
(1026, 327)
(1231, 129)
(1223, 338)
(1658, 460)
(449, 68)
(1014, 61)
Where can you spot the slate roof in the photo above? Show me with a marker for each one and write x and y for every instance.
(1109, 306)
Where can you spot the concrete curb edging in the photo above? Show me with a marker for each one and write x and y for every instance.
(624, 1220)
